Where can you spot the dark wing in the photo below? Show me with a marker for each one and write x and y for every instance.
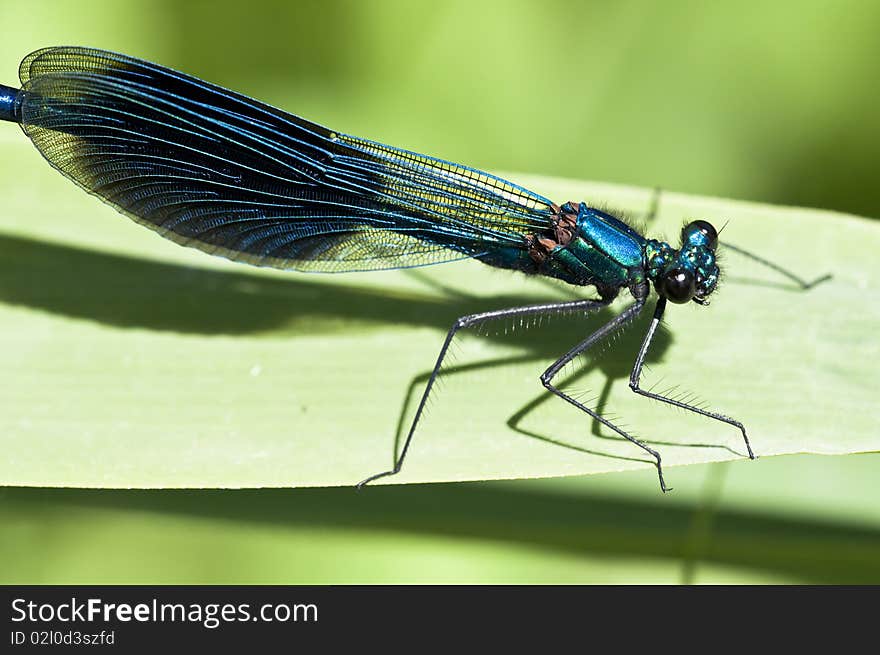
(209, 168)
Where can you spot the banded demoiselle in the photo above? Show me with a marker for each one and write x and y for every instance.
(212, 169)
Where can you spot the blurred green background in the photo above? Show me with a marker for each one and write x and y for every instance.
(773, 102)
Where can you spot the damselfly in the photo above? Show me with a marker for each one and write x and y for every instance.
(215, 170)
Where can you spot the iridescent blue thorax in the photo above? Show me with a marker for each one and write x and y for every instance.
(586, 246)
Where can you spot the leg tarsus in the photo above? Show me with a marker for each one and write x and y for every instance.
(653, 206)
(546, 381)
(663, 486)
(817, 281)
(803, 284)
(360, 485)
(746, 440)
(636, 374)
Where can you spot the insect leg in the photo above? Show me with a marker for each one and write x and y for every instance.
(470, 321)
(648, 217)
(610, 327)
(803, 284)
(637, 372)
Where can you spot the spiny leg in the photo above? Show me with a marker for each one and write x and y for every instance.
(609, 328)
(653, 206)
(470, 321)
(803, 284)
(637, 372)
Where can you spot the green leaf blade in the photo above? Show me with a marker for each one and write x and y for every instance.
(132, 362)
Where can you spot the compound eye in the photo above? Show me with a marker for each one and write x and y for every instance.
(710, 234)
(678, 286)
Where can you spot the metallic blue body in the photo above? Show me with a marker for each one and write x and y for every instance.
(215, 170)
(8, 97)
(612, 237)
(605, 252)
